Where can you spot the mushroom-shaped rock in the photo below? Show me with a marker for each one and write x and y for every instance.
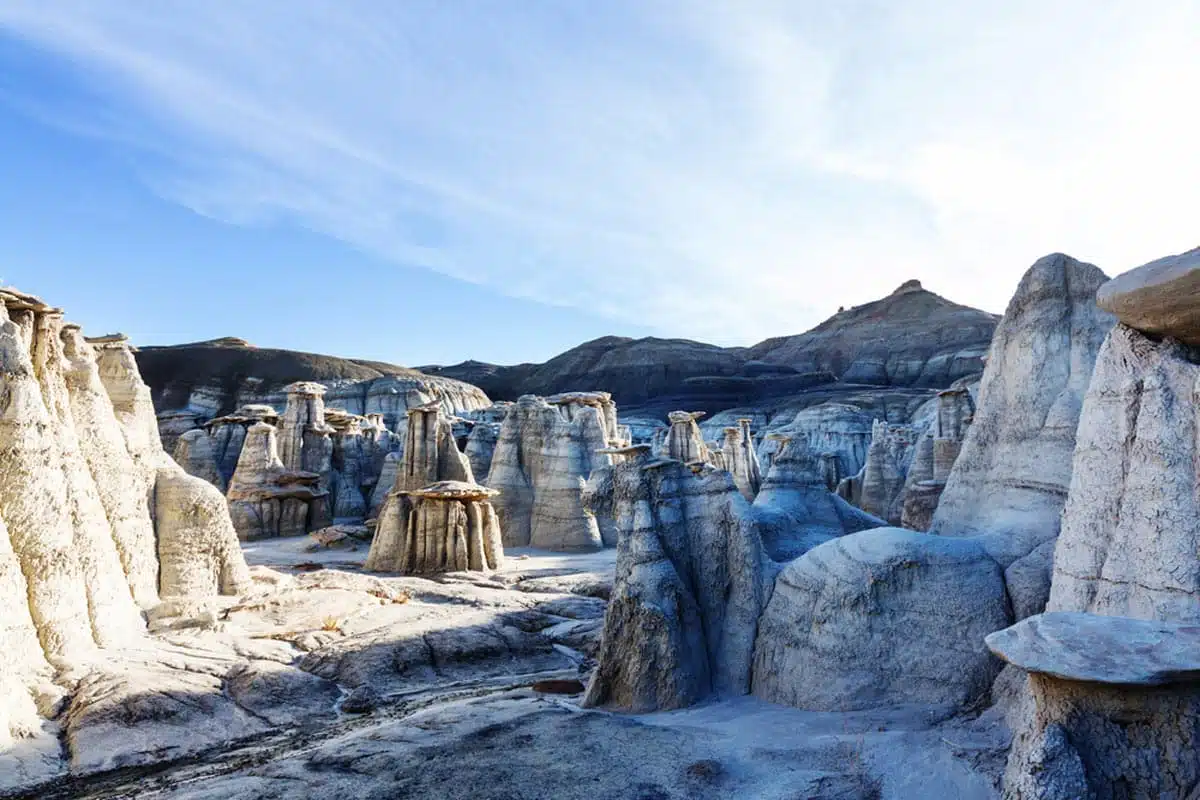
(882, 617)
(684, 441)
(449, 526)
(266, 499)
(1161, 298)
(1009, 483)
(1118, 697)
(691, 581)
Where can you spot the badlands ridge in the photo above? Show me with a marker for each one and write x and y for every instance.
(916, 552)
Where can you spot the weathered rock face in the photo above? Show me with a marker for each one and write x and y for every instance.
(684, 441)
(194, 452)
(935, 455)
(882, 617)
(77, 535)
(796, 510)
(741, 458)
(691, 581)
(430, 456)
(266, 499)
(541, 464)
(878, 489)
(1129, 540)
(175, 423)
(1010, 481)
(228, 434)
(1161, 298)
(213, 378)
(449, 526)
(198, 548)
(837, 434)
(1116, 708)
(481, 446)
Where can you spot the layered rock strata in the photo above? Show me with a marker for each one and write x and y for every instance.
(543, 458)
(430, 456)
(691, 581)
(266, 499)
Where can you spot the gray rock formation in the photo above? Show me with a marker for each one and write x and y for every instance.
(194, 452)
(935, 455)
(430, 456)
(228, 434)
(266, 499)
(1129, 538)
(878, 488)
(449, 526)
(691, 581)
(684, 441)
(481, 446)
(1117, 708)
(1010, 481)
(796, 510)
(882, 617)
(837, 434)
(174, 423)
(1161, 298)
(541, 464)
(741, 458)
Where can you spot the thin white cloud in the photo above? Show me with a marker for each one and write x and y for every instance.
(724, 170)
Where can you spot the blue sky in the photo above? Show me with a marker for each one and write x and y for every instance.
(431, 181)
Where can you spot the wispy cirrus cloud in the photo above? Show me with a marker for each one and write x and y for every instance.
(724, 170)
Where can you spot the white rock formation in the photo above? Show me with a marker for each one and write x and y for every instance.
(691, 581)
(541, 464)
(882, 617)
(266, 499)
(198, 548)
(228, 434)
(1010, 481)
(1130, 539)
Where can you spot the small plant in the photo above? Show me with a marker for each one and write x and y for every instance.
(331, 624)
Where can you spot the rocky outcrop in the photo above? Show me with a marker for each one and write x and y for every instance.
(837, 434)
(198, 548)
(215, 377)
(481, 446)
(228, 434)
(935, 455)
(78, 466)
(796, 510)
(541, 464)
(740, 458)
(684, 441)
(1116, 708)
(430, 456)
(1161, 298)
(691, 581)
(194, 452)
(882, 617)
(878, 488)
(1010, 481)
(449, 526)
(266, 499)
(1129, 538)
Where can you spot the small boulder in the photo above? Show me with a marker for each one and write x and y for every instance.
(1160, 298)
